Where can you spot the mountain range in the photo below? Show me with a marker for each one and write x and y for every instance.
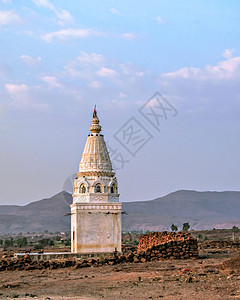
(203, 210)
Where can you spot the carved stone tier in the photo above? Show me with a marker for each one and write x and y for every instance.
(95, 173)
(95, 155)
(110, 207)
(96, 198)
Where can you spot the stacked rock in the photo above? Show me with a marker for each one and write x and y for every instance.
(153, 246)
(219, 244)
(164, 245)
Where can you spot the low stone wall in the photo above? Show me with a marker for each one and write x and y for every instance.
(60, 255)
(152, 254)
(152, 247)
(218, 244)
(163, 245)
(25, 263)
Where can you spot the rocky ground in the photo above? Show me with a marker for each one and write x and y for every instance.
(214, 275)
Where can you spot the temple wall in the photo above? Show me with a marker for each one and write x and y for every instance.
(98, 227)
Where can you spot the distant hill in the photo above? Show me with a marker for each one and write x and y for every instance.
(47, 214)
(203, 210)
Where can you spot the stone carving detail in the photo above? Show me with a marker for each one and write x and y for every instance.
(99, 207)
(98, 198)
(81, 199)
(113, 199)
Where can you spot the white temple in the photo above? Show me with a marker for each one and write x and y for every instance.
(96, 211)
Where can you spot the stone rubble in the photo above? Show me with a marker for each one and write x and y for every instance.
(153, 246)
(164, 245)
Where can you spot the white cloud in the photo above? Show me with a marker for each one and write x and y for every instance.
(51, 81)
(228, 53)
(183, 73)
(7, 1)
(95, 84)
(25, 97)
(8, 17)
(92, 58)
(65, 34)
(130, 70)
(130, 36)
(212, 90)
(91, 72)
(160, 20)
(85, 66)
(72, 71)
(95, 71)
(31, 61)
(114, 11)
(19, 93)
(14, 89)
(122, 95)
(63, 15)
(44, 3)
(106, 72)
(116, 103)
(223, 70)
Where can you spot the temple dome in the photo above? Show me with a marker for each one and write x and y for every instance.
(95, 156)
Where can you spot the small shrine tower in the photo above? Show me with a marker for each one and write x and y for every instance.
(96, 211)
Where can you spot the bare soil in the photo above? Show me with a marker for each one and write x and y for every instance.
(212, 276)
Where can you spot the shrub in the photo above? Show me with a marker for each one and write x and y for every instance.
(185, 227)
(235, 229)
(174, 227)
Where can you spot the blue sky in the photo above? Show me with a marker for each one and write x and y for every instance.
(59, 58)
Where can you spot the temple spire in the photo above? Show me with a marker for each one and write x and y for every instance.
(95, 127)
(96, 210)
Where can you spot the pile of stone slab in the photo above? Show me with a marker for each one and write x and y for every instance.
(153, 246)
(25, 263)
(164, 245)
(219, 244)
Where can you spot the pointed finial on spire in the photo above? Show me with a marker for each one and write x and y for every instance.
(95, 127)
(95, 112)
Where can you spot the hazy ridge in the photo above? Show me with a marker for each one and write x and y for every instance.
(203, 210)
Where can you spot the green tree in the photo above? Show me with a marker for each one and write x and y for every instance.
(24, 241)
(21, 242)
(68, 242)
(174, 227)
(51, 243)
(185, 227)
(37, 247)
(43, 242)
(235, 229)
(8, 243)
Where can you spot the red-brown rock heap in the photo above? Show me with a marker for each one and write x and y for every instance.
(166, 245)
